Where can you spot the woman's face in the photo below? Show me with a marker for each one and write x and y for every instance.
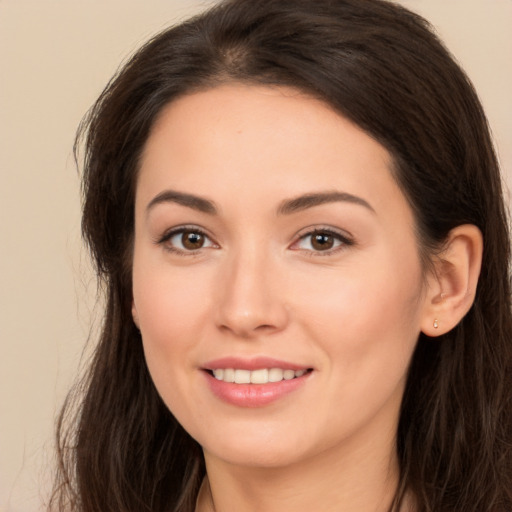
(272, 242)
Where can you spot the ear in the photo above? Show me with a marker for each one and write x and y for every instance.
(453, 281)
(135, 316)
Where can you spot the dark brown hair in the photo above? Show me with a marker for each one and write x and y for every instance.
(382, 67)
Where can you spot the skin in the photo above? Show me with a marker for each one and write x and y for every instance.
(258, 287)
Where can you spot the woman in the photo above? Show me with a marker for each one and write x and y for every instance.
(296, 211)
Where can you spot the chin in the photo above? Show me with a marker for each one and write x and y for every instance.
(257, 457)
(264, 449)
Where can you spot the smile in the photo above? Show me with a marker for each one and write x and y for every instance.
(260, 376)
(255, 382)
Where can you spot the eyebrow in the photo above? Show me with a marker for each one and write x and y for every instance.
(189, 200)
(287, 207)
(309, 200)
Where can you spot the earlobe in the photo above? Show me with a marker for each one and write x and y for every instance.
(453, 282)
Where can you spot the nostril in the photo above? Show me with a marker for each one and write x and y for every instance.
(265, 327)
(245, 328)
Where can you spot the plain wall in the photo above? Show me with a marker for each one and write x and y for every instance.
(55, 58)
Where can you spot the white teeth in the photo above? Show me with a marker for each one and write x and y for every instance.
(261, 376)
(275, 375)
(229, 375)
(242, 376)
(288, 374)
(218, 374)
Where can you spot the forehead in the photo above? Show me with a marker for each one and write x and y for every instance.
(261, 142)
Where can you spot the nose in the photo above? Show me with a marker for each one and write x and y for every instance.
(251, 296)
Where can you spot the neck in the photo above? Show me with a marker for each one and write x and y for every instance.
(355, 481)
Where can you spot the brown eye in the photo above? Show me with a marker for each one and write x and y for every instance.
(192, 240)
(322, 241)
(186, 240)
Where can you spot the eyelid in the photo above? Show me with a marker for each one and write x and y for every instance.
(176, 230)
(345, 239)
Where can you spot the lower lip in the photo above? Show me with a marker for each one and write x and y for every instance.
(253, 395)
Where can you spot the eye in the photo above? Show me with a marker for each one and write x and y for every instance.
(322, 240)
(183, 240)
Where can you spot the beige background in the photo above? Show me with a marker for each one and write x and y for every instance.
(55, 57)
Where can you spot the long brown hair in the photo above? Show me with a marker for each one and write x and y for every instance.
(382, 67)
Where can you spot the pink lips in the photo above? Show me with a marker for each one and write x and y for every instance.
(252, 395)
(251, 364)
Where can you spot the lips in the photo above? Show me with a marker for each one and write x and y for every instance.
(255, 363)
(260, 376)
(254, 382)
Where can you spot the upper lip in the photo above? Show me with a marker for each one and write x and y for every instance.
(255, 363)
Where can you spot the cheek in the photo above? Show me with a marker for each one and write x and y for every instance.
(172, 319)
(367, 337)
(168, 299)
(171, 308)
(367, 319)
(362, 298)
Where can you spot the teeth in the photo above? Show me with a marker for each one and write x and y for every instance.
(275, 375)
(262, 376)
(218, 374)
(259, 377)
(229, 375)
(288, 374)
(242, 376)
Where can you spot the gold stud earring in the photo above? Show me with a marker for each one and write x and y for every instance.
(436, 325)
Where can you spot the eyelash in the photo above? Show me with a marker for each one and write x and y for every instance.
(343, 240)
(181, 230)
